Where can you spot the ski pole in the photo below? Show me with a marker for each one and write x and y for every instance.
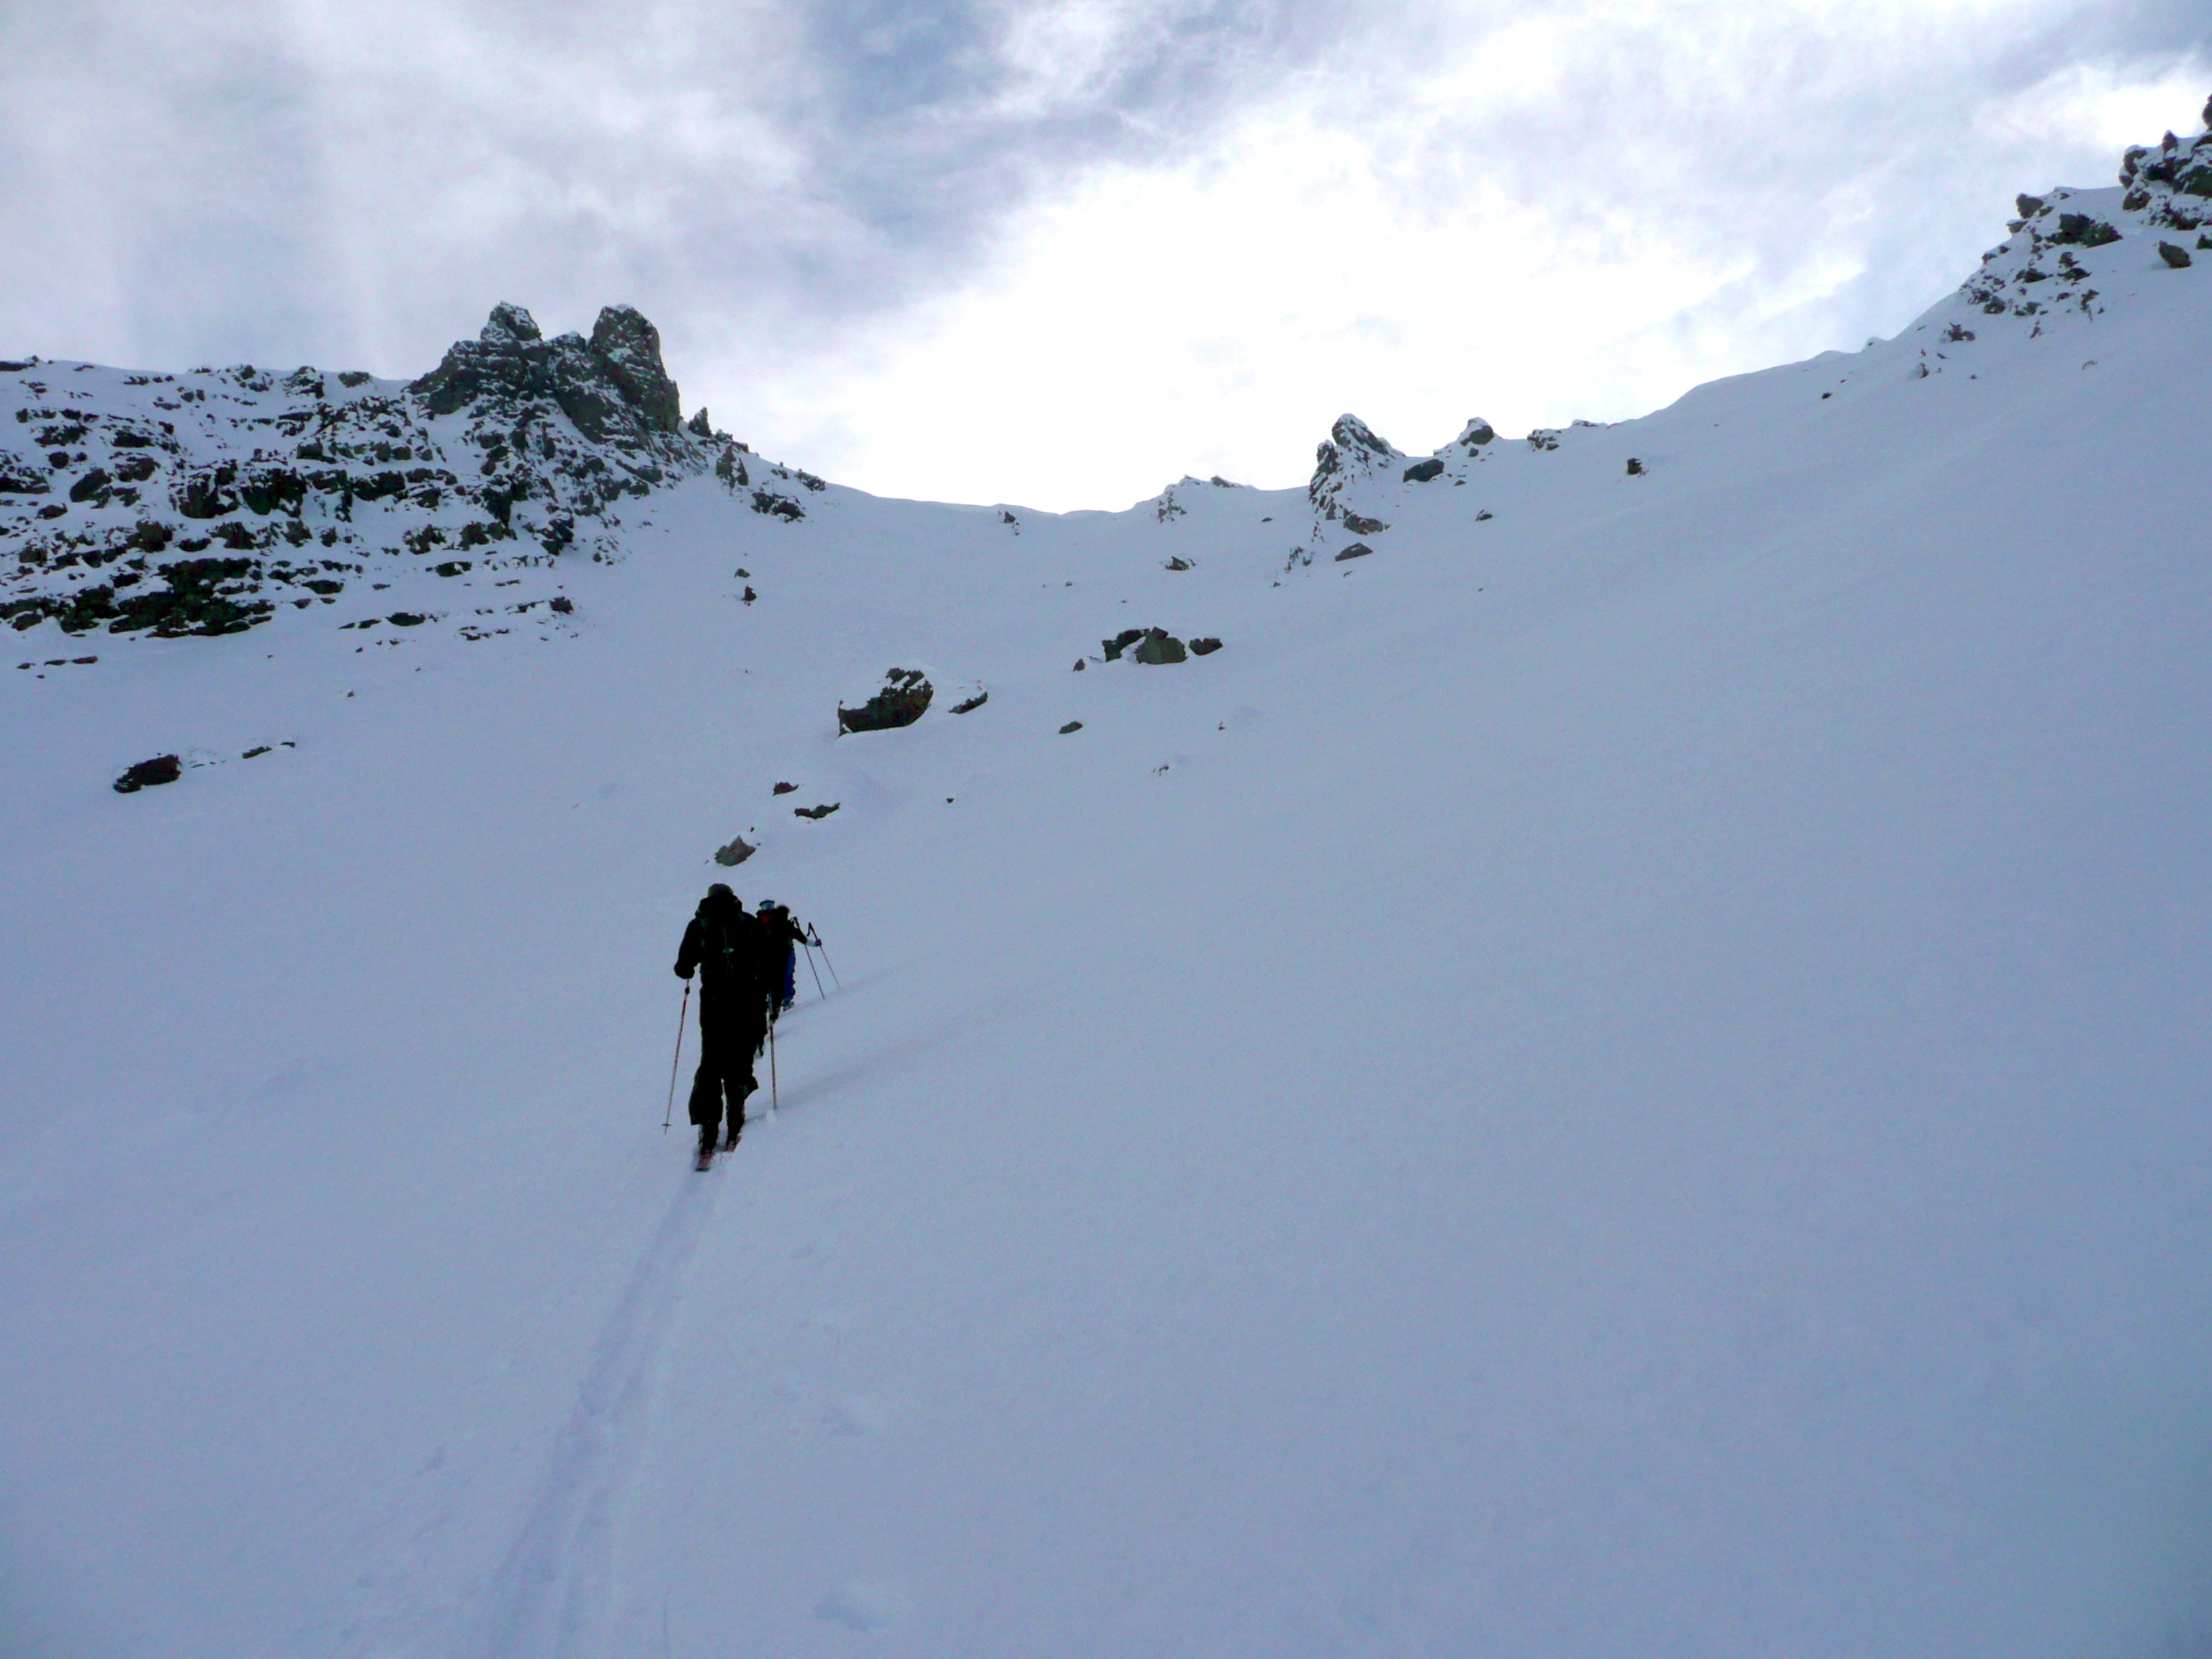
(824, 949)
(818, 991)
(681, 1014)
(771, 1069)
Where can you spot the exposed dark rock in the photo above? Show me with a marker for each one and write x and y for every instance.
(509, 324)
(407, 619)
(1179, 562)
(1356, 438)
(736, 853)
(1122, 641)
(208, 494)
(1158, 647)
(2027, 206)
(90, 485)
(699, 426)
(1352, 450)
(1635, 467)
(2080, 227)
(1422, 471)
(1359, 526)
(21, 477)
(2176, 256)
(269, 489)
(969, 705)
(1079, 665)
(779, 507)
(561, 604)
(612, 389)
(785, 789)
(1356, 550)
(630, 347)
(1205, 647)
(199, 596)
(1072, 726)
(903, 700)
(818, 812)
(163, 768)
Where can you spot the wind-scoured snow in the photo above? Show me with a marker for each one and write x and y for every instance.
(1622, 1071)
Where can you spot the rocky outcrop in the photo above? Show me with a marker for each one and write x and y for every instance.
(2048, 266)
(1351, 453)
(903, 700)
(1153, 647)
(163, 768)
(211, 501)
(612, 388)
(1158, 647)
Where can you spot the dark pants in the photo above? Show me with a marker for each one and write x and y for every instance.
(726, 1071)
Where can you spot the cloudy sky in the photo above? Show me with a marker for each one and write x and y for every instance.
(1055, 253)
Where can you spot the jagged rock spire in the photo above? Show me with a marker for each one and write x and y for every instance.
(510, 326)
(629, 346)
(612, 387)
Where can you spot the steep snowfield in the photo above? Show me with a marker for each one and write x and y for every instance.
(1626, 1077)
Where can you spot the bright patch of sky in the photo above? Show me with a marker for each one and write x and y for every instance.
(1056, 254)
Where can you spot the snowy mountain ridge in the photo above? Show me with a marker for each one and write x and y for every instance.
(516, 449)
(292, 490)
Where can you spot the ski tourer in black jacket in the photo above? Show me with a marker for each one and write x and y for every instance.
(724, 946)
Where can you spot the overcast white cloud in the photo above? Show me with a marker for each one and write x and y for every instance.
(1054, 254)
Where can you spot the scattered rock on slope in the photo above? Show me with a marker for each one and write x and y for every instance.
(1156, 647)
(163, 768)
(903, 700)
(1153, 646)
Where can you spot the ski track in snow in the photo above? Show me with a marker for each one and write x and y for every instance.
(552, 1593)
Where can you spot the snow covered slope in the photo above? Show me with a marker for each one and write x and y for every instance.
(1621, 1072)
